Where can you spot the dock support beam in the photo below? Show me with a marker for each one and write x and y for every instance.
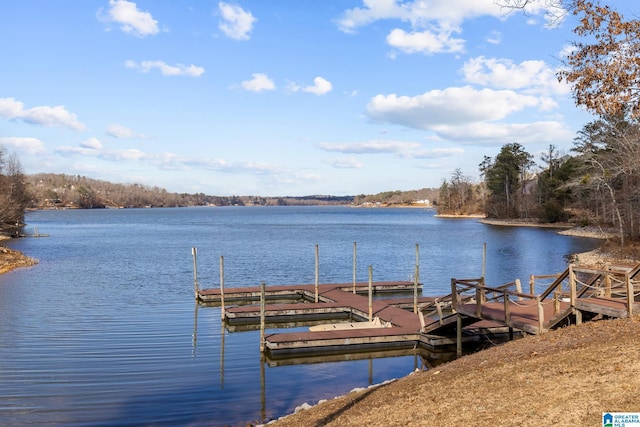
(317, 271)
(262, 309)
(194, 254)
(354, 267)
(222, 287)
(370, 293)
(416, 279)
(484, 260)
(458, 336)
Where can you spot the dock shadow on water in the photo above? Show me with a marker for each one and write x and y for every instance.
(103, 331)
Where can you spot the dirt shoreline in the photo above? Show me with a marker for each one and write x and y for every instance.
(11, 259)
(566, 377)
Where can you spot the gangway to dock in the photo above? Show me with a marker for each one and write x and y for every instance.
(578, 293)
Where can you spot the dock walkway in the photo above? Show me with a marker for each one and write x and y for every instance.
(335, 301)
(469, 312)
(577, 293)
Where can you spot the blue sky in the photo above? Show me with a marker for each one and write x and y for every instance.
(272, 98)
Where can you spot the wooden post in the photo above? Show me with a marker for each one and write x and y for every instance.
(507, 312)
(262, 309)
(630, 296)
(222, 312)
(479, 300)
(607, 285)
(421, 318)
(317, 271)
(354, 267)
(532, 284)
(370, 293)
(484, 260)
(194, 254)
(454, 294)
(572, 286)
(439, 310)
(416, 279)
(519, 289)
(458, 335)
(540, 315)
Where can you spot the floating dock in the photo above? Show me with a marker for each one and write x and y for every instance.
(337, 302)
(473, 313)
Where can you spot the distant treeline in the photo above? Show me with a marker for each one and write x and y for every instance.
(51, 191)
(398, 198)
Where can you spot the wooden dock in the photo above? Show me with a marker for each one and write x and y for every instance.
(295, 305)
(575, 295)
(472, 313)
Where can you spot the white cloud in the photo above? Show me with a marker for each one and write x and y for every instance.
(495, 37)
(165, 69)
(442, 14)
(27, 145)
(131, 19)
(344, 163)
(258, 83)
(426, 42)
(119, 131)
(487, 133)
(43, 116)
(454, 105)
(432, 23)
(92, 144)
(400, 148)
(530, 76)
(168, 161)
(320, 86)
(236, 22)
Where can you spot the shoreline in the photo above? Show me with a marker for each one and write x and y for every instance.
(11, 259)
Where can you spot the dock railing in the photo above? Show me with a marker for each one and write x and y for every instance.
(573, 283)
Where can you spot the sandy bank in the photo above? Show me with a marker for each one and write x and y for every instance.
(11, 259)
(525, 223)
(460, 216)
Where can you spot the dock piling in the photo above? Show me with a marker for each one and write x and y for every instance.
(416, 279)
(194, 254)
(354, 267)
(484, 260)
(262, 310)
(222, 287)
(317, 271)
(370, 293)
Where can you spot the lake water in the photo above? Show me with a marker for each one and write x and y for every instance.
(105, 329)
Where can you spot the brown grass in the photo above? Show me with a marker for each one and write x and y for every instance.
(566, 377)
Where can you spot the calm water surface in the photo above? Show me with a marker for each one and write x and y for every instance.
(105, 330)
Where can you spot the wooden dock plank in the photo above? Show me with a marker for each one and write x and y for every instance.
(252, 293)
(607, 306)
(524, 314)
